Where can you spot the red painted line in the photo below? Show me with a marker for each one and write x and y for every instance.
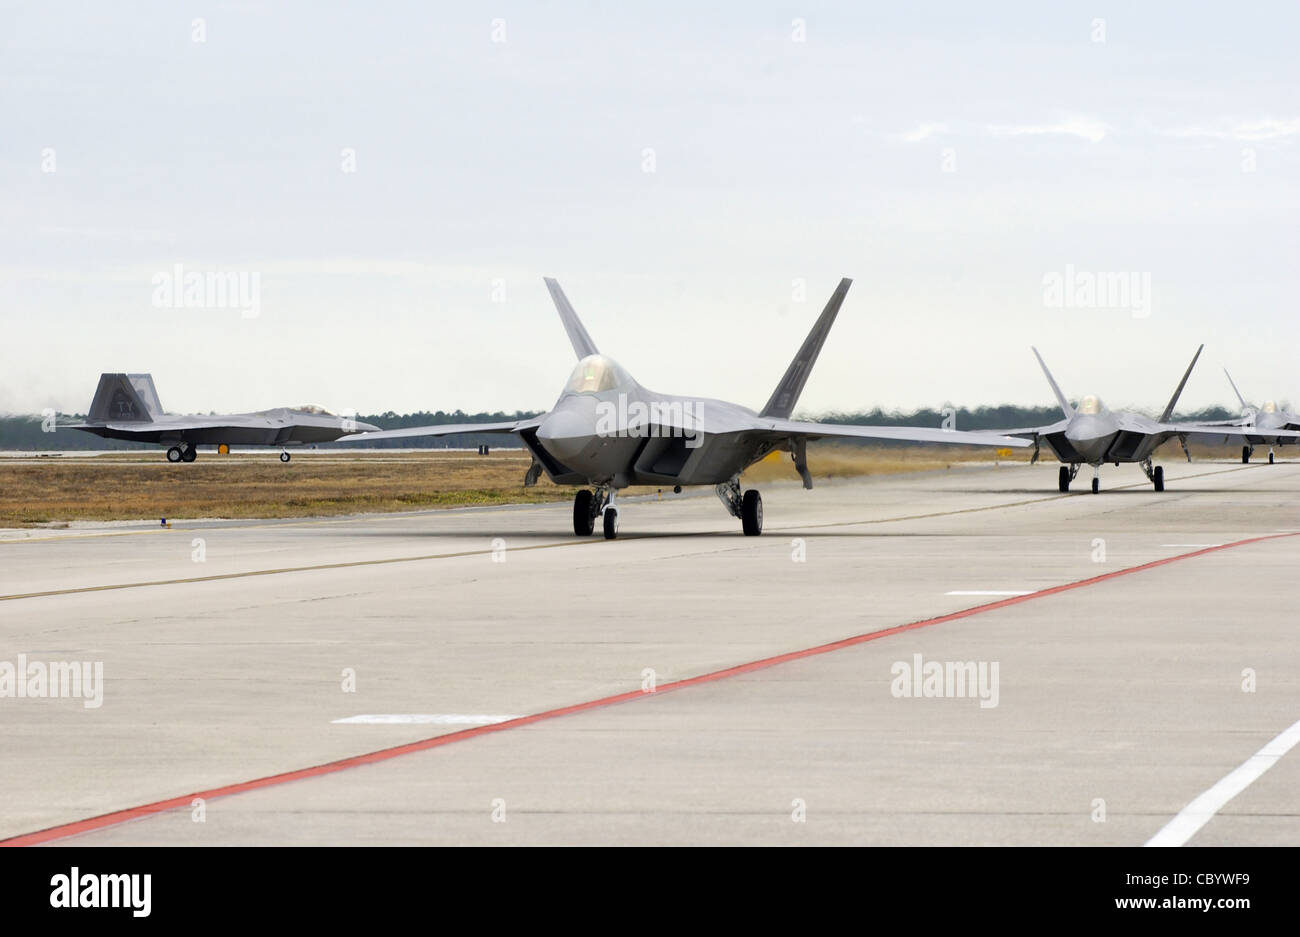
(135, 813)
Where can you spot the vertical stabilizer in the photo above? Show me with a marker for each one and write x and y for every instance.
(782, 402)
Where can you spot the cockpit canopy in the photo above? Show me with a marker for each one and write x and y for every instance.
(1269, 406)
(596, 373)
(1091, 405)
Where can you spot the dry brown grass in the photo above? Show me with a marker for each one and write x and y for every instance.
(144, 486)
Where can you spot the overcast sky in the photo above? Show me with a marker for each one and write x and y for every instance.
(397, 178)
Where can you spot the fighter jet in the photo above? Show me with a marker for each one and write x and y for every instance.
(1093, 435)
(126, 406)
(607, 432)
(1264, 420)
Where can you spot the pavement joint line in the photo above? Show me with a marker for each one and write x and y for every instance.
(143, 811)
(217, 577)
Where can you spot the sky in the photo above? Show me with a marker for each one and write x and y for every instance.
(391, 181)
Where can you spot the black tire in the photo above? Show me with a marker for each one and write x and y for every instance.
(1063, 480)
(1245, 455)
(751, 513)
(486, 451)
(190, 454)
(1270, 458)
(284, 457)
(1158, 478)
(1096, 485)
(174, 454)
(610, 523)
(583, 522)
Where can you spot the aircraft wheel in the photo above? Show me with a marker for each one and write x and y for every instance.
(611, 523)
(284, 457)
(1096, 485)
(583, 522)
(1245, 454)
(190, 454)
(174, 454)
(1063, 480)
(1270, 458)
(751, 513)
(1158, 478)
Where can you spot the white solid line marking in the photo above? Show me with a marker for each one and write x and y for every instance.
(437, 719)
(1200, 811)
(990, 592)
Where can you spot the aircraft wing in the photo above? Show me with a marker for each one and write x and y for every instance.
(786, 428)
(441, 429)
(1227, 432)
(142, 428)
(1029, 432)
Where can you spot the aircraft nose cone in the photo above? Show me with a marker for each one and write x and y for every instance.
(565, 434)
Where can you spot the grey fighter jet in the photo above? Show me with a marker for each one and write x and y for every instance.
(1261, 424)
(126, 406)
(1093, 435)
(606, 431)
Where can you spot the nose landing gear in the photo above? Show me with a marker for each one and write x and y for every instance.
(588, 505)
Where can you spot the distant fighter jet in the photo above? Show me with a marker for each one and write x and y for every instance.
(609, 432)
(1093, 435)
(1260, 424)
(126, 407)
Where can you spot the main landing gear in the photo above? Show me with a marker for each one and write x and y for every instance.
(186, 453)
(1246, 453)
(1066, 476)
(588, 505)
(1156, 474)
(748, 505)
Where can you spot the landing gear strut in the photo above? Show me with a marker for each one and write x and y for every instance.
(1066, 476)
(748, 506)
(1155, 474)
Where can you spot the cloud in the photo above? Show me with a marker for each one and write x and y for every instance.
(1246, 131)
(922, 132)
(1087, 128)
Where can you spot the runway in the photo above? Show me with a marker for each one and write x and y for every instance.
(682, 684)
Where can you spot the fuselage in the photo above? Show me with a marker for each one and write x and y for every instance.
(608, 429)
(282, 426)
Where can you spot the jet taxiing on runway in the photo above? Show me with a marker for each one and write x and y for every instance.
(609, 432)
(1094, 435)
(126, 406)
(1261, 424)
